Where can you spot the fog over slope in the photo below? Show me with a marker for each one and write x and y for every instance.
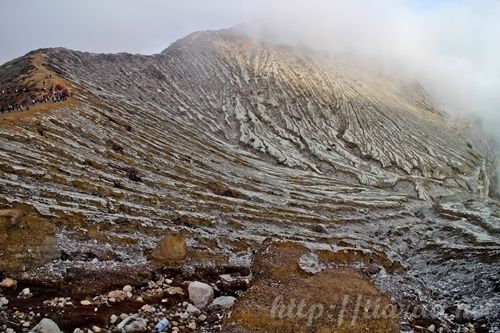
(451, 49)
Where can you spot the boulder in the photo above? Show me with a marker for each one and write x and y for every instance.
(170, 249)
(225, 302)
(46, 326)
(201, 294)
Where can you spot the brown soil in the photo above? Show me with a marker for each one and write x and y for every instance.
(272, 303)
(26, 240)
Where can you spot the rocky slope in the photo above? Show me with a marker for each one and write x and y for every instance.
(228, 142)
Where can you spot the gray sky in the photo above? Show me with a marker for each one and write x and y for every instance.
(135, 26)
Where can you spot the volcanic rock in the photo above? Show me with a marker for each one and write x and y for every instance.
(170, 248)
(193, 310)
(8, 283)
(225, 302)
(46, 326)
(132, 324)
(201, 294)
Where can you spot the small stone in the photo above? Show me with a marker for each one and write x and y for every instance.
(184, 315)
(175, 291)
(133, 324)
(159, 283)
(127, 288)
(26, 292)
(309, 263)
(225, 302)
(96, 329)
(192, 310)
(113, 319)
(78, 330)
(192, 325)
(85, 302)
(26, 324)
(8, 283)
(117, 295)
(148, 308)
(123, 316)
(9, 330)
(3, 301)
(139, 299)
(201, 294)
(202, 317)
(128, 294)
(46, 326)
(431, 328)
(168, 281)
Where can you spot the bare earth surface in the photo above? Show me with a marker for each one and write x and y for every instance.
(262, 160)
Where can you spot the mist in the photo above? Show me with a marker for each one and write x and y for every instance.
(451, 46)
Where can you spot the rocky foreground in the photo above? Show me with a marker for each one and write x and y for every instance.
(288, 289)
(160, 305)
(319, 191)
